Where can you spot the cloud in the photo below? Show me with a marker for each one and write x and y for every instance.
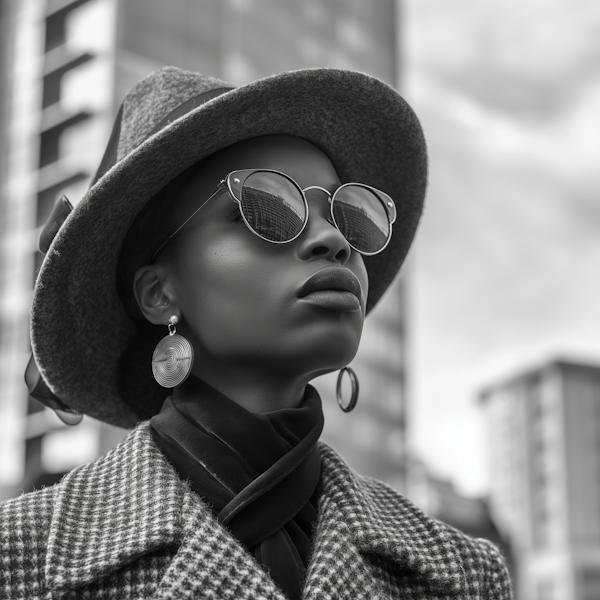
(527, 58)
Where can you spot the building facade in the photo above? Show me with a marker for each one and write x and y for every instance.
(66, 65)
(544, 432)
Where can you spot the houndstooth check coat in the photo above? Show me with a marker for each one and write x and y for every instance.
(126, 526)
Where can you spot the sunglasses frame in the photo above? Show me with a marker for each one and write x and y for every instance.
(235, 183)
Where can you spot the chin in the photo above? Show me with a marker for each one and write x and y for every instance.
(312, 346)
(334, 351)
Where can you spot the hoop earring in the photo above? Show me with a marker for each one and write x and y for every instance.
(173, 357)
(355, 389)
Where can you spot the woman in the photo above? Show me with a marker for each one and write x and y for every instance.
(231, 244)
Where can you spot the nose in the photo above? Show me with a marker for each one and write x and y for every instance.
(321, 238)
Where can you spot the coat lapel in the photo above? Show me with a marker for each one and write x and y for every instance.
(367, 530)
(132, 502)
(211, 564)
(109, 512)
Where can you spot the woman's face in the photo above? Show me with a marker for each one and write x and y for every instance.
(241, 298)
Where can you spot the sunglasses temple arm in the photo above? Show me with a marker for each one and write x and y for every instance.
(219, 188)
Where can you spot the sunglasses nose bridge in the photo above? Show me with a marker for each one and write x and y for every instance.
(318, 187)
(329, 216)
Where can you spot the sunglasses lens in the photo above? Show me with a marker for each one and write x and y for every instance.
(273, 206)
(361, 217)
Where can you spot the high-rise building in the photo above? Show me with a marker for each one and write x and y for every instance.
(544, 438)
(66, 65)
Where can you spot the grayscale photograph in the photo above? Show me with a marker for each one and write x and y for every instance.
(299, 299)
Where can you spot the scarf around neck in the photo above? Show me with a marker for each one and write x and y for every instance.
(259, 472)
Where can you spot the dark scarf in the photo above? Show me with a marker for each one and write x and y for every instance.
(258, 472)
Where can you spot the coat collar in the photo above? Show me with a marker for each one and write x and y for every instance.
(131, 502)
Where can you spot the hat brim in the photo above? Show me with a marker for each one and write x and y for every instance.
(88, 349)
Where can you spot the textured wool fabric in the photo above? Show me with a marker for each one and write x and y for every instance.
(257, 471)
(127, 527)
(88, 350)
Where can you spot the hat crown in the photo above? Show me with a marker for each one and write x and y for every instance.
(153, 98)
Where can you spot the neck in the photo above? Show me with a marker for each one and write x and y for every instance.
(255, 390)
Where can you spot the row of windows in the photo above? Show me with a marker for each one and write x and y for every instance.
(58, 63)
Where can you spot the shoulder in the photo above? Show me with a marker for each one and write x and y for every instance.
(483, 563)
(24, 531)
(396, 528)
(125, 508)
(26, 515)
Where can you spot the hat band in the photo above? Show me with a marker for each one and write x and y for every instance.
(110, 155)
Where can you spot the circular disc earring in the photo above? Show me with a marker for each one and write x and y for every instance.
(173, 357)
(355, 389)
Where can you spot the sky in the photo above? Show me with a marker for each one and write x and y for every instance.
(504, 274)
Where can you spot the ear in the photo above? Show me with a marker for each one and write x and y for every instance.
(154, 294)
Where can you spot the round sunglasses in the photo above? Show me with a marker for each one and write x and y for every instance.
(274, 207)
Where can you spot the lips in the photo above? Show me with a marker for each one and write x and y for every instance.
(331, 279)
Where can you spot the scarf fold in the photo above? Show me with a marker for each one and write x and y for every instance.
(259, 472)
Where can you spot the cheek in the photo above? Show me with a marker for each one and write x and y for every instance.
(238, 298)
(226, 285)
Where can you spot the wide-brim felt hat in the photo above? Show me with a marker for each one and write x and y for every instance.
(89, 351)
